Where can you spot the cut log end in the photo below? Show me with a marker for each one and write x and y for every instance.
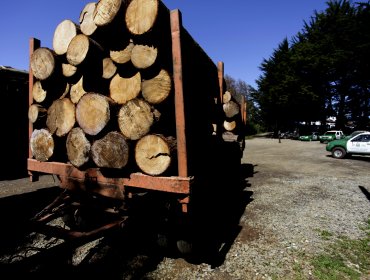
(61, 116)
(41, 144)
(106, 11)
(157, 89)
(35, 112)
(43, 63)
(109, 68)
(135, 119)
(92, 113)
(78, 147)
(38, 93)
(152, 154)
(142, 56)
(111, 151)
(87, 24)
(63, 35)
(141, 15)
(123, 89)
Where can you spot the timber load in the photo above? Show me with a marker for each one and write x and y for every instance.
(127, 89)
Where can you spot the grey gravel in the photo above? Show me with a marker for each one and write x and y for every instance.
(297, 192)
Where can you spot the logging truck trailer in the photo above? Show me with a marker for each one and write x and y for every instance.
(190, 160)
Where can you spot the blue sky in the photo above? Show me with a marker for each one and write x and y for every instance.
(241, 33)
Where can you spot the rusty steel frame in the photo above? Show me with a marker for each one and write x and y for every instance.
(92, 179)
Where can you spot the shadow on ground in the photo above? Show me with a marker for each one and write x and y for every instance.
(155, 229)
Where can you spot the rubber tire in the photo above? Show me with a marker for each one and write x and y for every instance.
(338, 152)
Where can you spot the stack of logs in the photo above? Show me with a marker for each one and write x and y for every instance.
(103, 95)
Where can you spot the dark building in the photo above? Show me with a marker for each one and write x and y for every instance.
(14, 123)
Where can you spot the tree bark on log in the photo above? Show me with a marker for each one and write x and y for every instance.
(78, 147)
(63, 34)
(35, 112)
(43, 63)
(123, 89)
(141, 16)
(157, 89)
(153, 154)
(81, 49)
(41, 144)
(143, 56)
(135, 119)
(93, 113)
(61, 117)
(111, 151)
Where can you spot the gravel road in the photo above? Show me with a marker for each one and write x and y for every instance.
(291, 193)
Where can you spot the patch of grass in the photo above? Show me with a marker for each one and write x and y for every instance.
(344, 259)
(326, 234)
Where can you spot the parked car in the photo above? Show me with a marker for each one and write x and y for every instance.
(331, 135)
(358, 144)
(354, 133)
(314, 136)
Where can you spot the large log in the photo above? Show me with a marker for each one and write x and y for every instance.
(78, 147)
(61, 116)
(111, 151)
(135, 118)
(122, 55)
(93, 112)
(63, 34)
(123, 89)
(82, 48)
(143, 56)
(141, 15)
(106, 11)
(153, 154)
(43, 63)
(41, 144)
(157, 89)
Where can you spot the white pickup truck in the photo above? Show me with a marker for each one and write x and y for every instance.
(355, 145)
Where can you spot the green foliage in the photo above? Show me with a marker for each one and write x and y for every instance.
(322, 72)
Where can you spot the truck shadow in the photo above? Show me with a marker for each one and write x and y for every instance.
(155, 230)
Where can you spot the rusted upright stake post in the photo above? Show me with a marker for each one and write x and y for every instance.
(33, 45)
(179, 93)
(220, 68)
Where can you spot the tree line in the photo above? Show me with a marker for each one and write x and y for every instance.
(323, 71)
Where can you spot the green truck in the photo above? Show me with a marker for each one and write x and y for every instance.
(331, 135)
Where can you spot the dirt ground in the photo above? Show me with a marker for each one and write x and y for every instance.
(287, 191)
